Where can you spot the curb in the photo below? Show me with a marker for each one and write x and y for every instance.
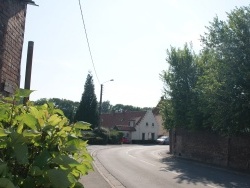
(109, 178)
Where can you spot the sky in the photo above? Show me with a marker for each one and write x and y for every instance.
(128, 41)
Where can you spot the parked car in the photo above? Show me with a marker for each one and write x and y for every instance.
(125, 140)
(163, 140)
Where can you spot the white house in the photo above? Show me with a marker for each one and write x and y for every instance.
(136, 125)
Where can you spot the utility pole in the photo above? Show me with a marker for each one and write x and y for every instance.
(100, 104)
(100, 108)
(28, 69)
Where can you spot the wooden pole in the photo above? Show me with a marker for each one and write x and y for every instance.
(28, 68)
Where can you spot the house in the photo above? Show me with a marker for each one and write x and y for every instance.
(158, 117)
(136, 125)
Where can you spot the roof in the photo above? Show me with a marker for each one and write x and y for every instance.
(121, 118)
(124, 128)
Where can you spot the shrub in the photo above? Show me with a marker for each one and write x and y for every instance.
(38, 147)
(115, 137)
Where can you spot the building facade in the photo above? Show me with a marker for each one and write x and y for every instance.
(12, 26)
(135, 125)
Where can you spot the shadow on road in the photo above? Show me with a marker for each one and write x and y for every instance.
(192, 172)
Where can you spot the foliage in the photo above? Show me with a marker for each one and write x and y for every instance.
(68, 107)
(88, 107)
(38, 148)
(108, 108)
(115, 137)
(103, 136)
(180, 108)
(212, 90)
(225, 84)
(96, 136)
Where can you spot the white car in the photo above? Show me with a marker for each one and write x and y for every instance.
(163, 140)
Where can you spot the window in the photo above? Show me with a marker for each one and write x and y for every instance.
(146, 123)
(153, 124)
(132, 123)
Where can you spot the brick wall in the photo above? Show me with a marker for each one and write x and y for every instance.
(12, 25)
(233, 152)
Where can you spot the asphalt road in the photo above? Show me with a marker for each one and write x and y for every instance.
(137, 166)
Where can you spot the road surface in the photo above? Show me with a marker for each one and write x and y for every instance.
(149, 166)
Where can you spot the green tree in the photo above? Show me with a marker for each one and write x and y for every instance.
(88, 107)
(67, 106)
(181, 105)
(121, 107)
(106, 107)
(225, 84)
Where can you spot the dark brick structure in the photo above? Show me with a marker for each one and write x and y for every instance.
(12, 25)
(232, 152)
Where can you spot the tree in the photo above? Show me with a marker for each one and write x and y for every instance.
(106, 107)
(212, 90)
(225, 84)
(181, 107)
(88, 107)
(121, 108)
(67, 106)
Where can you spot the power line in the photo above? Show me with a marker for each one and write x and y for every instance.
(88, 41)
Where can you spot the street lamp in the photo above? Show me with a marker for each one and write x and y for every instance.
(100, 103)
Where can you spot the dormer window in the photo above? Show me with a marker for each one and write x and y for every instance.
(132, 123)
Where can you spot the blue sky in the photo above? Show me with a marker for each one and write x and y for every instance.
(128, 40)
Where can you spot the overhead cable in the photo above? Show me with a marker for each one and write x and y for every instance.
(88, 40)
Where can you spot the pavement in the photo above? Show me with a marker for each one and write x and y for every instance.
(94, 180)
(100, 177)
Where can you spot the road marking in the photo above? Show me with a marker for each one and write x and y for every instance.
(173, 172)
(147, 162)
(211, 186)
(137, 157)
(131, 156)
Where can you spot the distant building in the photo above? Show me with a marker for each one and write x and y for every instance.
(158, 117)
(136, 125)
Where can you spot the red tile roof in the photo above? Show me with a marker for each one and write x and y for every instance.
(124, 128)
(121, 118)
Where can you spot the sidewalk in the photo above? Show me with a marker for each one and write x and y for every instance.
(94, 180)
(100, 178)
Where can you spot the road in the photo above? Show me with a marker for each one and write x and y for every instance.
(137, 166)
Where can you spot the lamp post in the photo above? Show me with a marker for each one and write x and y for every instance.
(100, 103)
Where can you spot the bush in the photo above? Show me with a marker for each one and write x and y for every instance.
(38, 147)
(102, 136)
(143, 142)
(115, 137)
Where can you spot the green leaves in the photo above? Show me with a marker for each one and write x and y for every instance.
(21, 153)
(59, 178)
(212, 90)
(3, 132)
(39, 147)
(23, 93)
(82, 125)
(6, 183)
(65, 161)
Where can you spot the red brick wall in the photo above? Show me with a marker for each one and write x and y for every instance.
(233, 152)
(12, 25)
